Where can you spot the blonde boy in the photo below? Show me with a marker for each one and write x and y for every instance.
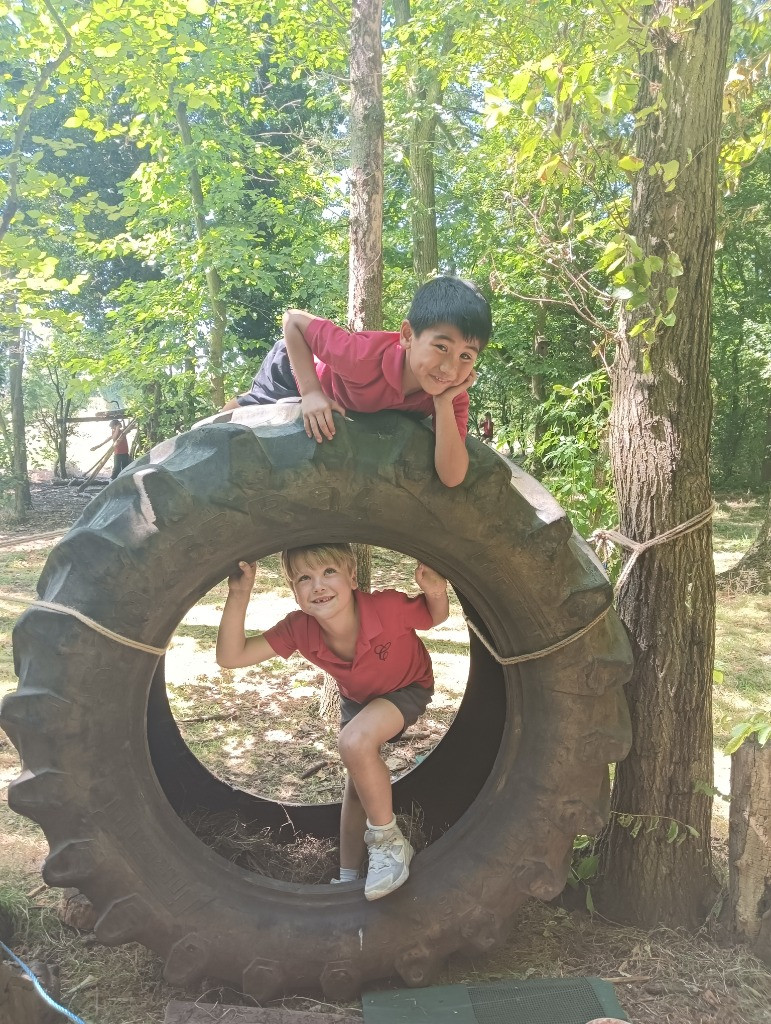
(368, 644)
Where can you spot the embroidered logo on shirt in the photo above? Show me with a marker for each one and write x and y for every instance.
(382, 650)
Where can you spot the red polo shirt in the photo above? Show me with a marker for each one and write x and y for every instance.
(363, 372)
(389, 655)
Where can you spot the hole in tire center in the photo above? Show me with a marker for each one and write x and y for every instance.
(261, 729)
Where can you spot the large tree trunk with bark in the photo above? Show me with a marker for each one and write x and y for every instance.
(660, 426)
(749, 847)
(753, 570)
(365, 264)
(22, 498)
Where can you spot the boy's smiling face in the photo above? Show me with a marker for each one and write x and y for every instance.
(324, 589)
(437, 359)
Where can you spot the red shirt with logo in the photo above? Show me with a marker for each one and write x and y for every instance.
(389, 655)
(363, 371)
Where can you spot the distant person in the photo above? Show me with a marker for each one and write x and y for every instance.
(368, 644)
(427, 366)
(487, 428)
(120, 454)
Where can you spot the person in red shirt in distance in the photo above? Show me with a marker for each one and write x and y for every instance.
(368, 644)
(427, 366)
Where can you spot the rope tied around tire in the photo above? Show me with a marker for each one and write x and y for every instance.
(516, 659)
(602, 538)
(63, 609)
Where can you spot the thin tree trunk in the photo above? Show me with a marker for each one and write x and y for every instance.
(213, 279)
(22, 498)
(365, 266)
(365, 281)
(424, 93)
(659, 439)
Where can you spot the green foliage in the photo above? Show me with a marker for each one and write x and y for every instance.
(759, 727)
(572, 448)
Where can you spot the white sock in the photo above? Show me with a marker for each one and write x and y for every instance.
(348, 874)
(381, 828)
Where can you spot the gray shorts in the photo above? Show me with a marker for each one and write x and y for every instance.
(411, 700)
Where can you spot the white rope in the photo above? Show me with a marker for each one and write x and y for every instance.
(518, 658)
(604, 537)
(62, 609)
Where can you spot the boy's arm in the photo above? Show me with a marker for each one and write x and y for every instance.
(450, 455)
(317, 407)
(234, 650)
(434, 589)
(107, 440)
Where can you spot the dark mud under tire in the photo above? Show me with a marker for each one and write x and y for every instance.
(521, 771)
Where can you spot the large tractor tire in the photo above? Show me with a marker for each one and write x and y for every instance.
(521, 771)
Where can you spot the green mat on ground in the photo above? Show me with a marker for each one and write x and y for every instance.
(529, 1001)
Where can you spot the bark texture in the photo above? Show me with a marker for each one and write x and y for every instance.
(365, 265)
(660, 427)
(749, 847)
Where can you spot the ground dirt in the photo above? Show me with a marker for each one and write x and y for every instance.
(260, 729)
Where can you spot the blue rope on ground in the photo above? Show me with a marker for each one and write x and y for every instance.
(39, 988)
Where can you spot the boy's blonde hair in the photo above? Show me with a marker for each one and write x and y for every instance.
(341, 555)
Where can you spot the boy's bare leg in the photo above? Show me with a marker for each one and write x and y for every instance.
(359, 745)
(232, 404)
(353, 821)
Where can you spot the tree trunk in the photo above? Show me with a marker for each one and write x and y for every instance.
(749, 847)
(61, 440)
(213, 279)
(22, 498)
(424, 93)
(659, 438)
(753, 570)
(365, 281)
(365, 265)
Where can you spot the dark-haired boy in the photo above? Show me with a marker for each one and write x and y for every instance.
(427, 366)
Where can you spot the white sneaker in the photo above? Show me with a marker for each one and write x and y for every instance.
(389, 861)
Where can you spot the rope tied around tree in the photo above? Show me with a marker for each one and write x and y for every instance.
(599, 538)
(602, 539)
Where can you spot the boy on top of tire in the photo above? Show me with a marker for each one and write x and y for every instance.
(368, 644)
(427, 366)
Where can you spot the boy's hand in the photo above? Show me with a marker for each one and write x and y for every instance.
(317, 411)
(429, 581)
(242, 581)
(450, 393)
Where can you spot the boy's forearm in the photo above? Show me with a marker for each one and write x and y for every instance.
(438, 605)
(295, 324)
(231, 638)
(450, 455)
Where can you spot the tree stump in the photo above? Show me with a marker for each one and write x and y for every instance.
(749, 847)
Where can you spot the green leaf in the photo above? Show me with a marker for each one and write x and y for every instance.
(518, 84)
(670, 170)
(672, 832)
(669, 320)
(631, 163)
(589, 900)
(198, 7)
(717, 675)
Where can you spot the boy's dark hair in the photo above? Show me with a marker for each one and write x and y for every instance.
(451, 300)
(115, 423)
